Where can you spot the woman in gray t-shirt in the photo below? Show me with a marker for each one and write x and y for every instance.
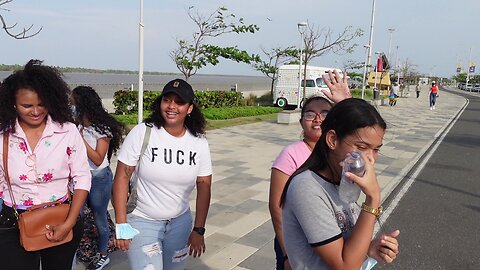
(320, 230)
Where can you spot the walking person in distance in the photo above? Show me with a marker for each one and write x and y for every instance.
(433, 94)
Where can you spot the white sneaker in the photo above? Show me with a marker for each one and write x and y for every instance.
(99, 263)
(431, 108)
(434, 107)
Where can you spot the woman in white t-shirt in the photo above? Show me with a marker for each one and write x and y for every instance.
(102, 135)
(176, 160)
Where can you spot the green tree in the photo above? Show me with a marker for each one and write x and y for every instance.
(192, 55)
(319, 41)
(275, 57)
(460, 77)
(23, 34)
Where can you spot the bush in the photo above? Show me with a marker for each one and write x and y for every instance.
(126, 102)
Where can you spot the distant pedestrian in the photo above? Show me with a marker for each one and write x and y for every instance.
(417, 89)
(433, 95)
(393, 95)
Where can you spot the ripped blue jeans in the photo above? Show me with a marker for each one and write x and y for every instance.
(161, 244)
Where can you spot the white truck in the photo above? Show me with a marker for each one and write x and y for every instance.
(285, 90)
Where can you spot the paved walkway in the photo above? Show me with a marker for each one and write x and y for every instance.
(239, 230)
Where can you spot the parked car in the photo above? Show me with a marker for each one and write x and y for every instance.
(476, 87)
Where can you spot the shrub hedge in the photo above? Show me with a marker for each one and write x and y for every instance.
(126, 102)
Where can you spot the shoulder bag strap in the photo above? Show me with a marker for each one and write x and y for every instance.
(5, 171)
(146, 139)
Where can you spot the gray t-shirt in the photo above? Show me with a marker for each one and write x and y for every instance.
(314, 215)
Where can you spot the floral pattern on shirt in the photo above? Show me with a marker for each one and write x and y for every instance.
(23, 147)
(42, 174)
(27, 201)
(47, 177)
(70, 150)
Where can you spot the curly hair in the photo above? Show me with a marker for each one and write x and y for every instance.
(49, 85)
(195, 122)
(89, 106)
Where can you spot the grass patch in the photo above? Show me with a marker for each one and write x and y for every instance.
(220, 117)
(236, 112)
(214, 124)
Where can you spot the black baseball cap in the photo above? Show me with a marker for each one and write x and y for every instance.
(181, 88)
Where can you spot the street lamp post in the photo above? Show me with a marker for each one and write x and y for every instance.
(391, 30)
(367, 47)
(301, 28)
(468, 71)
(140, 66)
(375, 90)
(370, 42)
(398, 68)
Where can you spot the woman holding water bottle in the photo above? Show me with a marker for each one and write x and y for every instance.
(320, 229)
(292, 156)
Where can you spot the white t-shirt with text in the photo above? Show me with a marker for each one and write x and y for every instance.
(168, 170)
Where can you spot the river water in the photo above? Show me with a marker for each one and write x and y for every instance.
(107, 84)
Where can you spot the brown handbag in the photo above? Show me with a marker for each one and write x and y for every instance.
(32, 223)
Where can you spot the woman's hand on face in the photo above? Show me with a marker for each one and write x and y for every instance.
(368, 182)
(338, 86)
(122, 244)
(56, 233)
(385, 247)
(196, 243)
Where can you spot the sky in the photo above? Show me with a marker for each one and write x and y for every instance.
(433, 36)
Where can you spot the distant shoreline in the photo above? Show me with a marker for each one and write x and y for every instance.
(11, 68)
(107, 84)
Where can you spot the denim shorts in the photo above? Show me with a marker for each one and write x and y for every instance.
(161, 244)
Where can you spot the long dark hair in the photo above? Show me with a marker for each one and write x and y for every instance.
(345, 118)
(89, 105)
(195, 121)
(49, 85)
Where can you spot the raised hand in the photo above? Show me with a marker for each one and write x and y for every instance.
(338, 86)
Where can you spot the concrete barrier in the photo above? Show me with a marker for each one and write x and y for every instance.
(288, 117)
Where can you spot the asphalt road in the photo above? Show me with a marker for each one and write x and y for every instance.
(439, 215)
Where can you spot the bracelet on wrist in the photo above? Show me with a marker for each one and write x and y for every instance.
(374, 211)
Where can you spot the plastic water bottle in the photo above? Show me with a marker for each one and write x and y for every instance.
(348, 190)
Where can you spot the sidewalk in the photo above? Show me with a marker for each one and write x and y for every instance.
(239, 233)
